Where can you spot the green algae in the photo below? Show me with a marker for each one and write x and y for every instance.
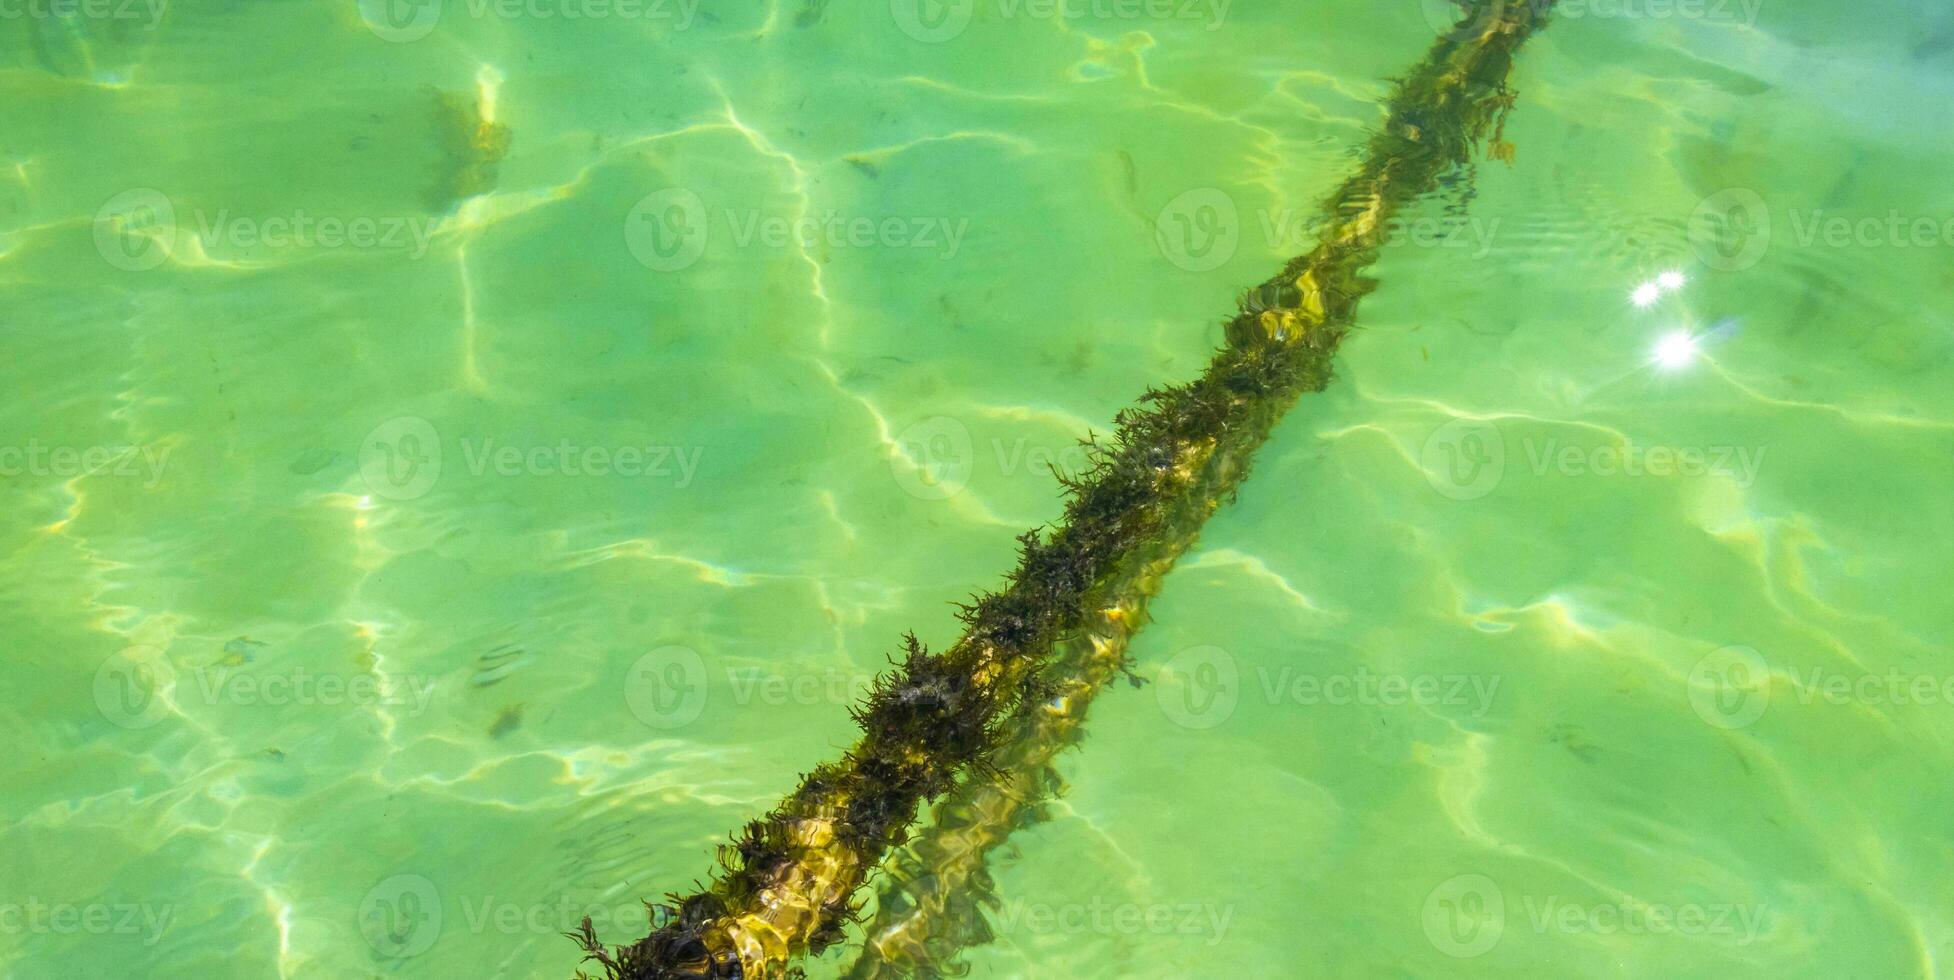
(788, 882)
(472, 148)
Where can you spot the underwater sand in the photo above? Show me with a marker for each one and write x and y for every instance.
(456, 468)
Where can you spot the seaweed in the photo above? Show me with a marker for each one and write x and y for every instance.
(930, 906)
(1001, 701)
(472, 148)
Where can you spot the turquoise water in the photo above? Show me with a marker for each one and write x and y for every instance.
(464, 460)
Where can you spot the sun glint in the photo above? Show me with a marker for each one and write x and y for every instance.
(1675, 350)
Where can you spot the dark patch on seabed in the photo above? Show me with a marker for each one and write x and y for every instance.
(472, 149)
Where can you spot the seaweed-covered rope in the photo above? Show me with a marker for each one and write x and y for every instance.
(788, 882)
(930, 905)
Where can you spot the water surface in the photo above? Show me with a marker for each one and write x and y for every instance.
(462, 461)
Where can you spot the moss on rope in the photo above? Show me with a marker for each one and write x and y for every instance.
(788, 882)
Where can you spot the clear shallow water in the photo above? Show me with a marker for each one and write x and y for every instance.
(1520, 653)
